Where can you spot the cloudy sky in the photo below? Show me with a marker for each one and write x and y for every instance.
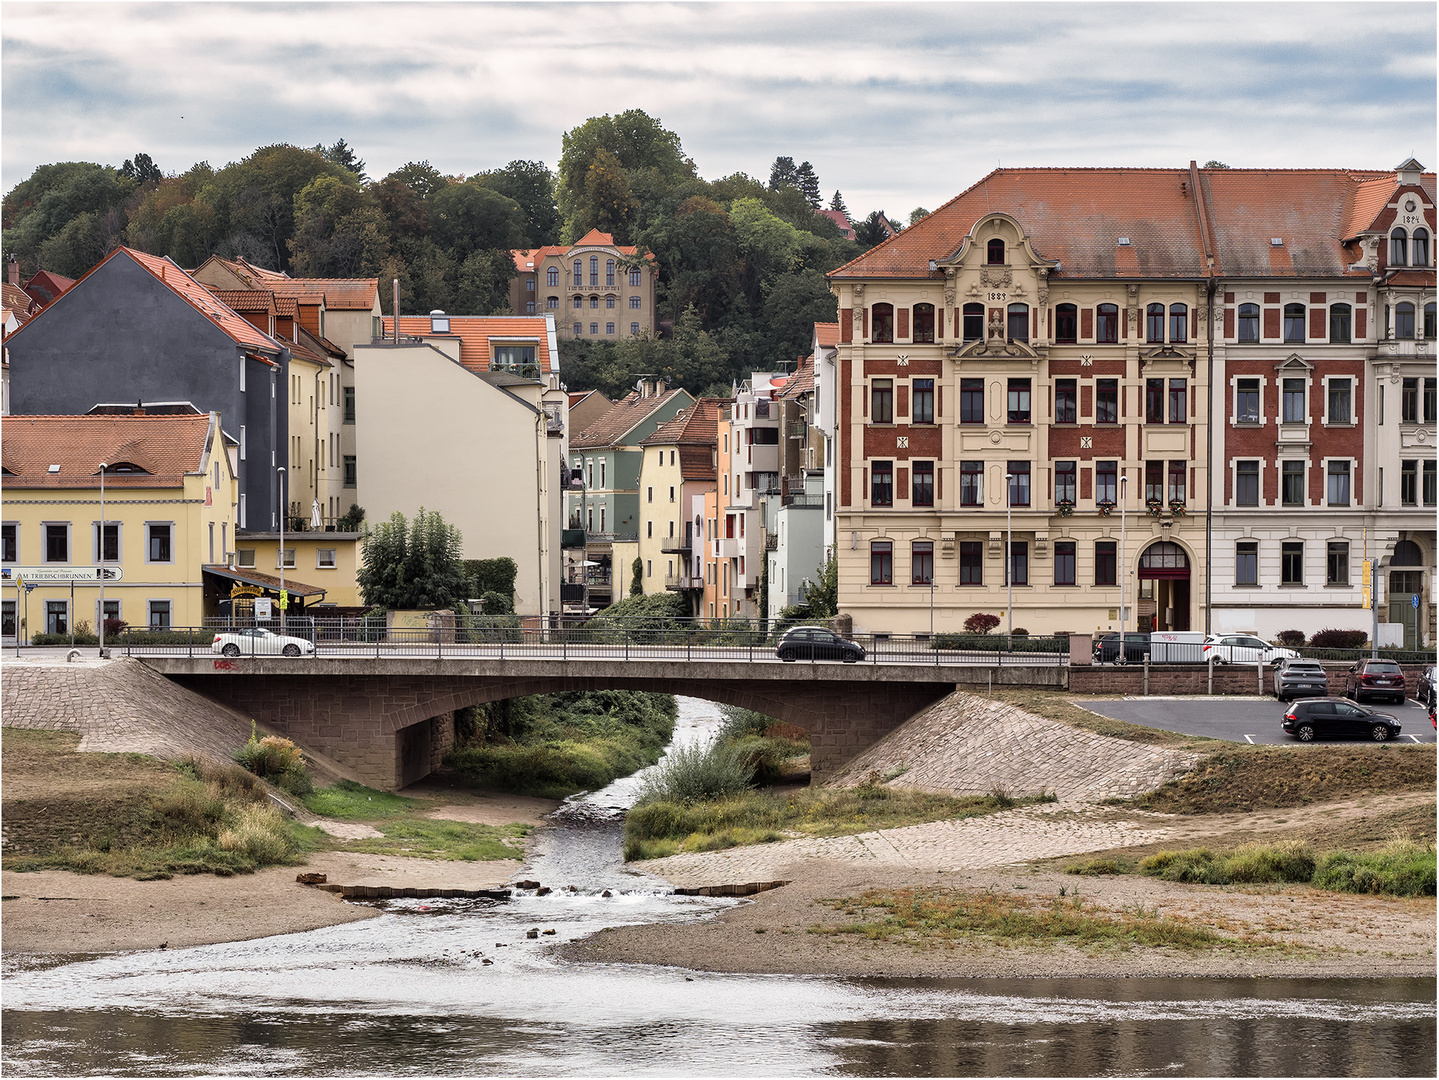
(897, 105)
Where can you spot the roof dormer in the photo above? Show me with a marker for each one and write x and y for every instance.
(1409, 173)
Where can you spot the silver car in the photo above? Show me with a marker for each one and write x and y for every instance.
(1300, 678)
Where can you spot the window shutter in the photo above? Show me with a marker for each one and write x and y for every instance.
(901, 323)
(846, 325)
(1271, 322)
(1361, 319)
(1316, 322)
(1086, 323)
(1229, 321)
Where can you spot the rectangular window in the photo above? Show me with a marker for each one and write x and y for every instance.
(971, 401)
(1065, 399)
(1064, 562)
(971, 483)
(1337, 564)
(922, 401)
(1246, 562)
(881, 486)
(1431, 473)
(1154, 401)
(159, 543)
(1105, 562)
(1176, 481)
(1340, 401)
(9, 543)
(635, 303)
(881, 562)
(245, 558)
(1066, 323)
(1019, 562)
(1178, 401)
(594, 328)
(1066, 486)
(609, 328)
(1291, 562)
(285, 557)
(921, 562)
(57, 543)
(57, 616)
(971, 562)
(351, 472)
(1339, 324)
(1338, 483)
(242, 442)
(1106, 401)
(349, 405)
(1153, 481)
(1246, 483)
(1019, 483)
(1293, 401)
(1106, 482)
(325, 558)
(1246, 401)
(881, 401)
(1409, 483)
(1409, 402)
(923, 475)
(159, 614)
(634, 328)
(1431, 386)
(1291, 485)
(1019, 401)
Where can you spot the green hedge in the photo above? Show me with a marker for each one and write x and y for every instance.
(132, 637)
(998, 643)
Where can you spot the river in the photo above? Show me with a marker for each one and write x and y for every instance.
(451, 987)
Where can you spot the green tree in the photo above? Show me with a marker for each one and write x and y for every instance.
(46, 203)
(837, 203)
(872, 230)
(465, 217)
(343, 155)
(78, 246)
(808, 184)
(782, 173)
(420, 176)
(532, 186)
(918, 214)
(142, 169)
(413, 565)
(650, 157)
(637, 581)
(255, 200)
(339, 231)
(792, 306)
(483, 286)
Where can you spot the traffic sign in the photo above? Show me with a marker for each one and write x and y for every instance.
(1414, 600)
(60, 575)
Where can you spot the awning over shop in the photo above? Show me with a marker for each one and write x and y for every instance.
(268, 584)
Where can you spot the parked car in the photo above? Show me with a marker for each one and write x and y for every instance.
(1425, 693)
(817, 643)
(257, 641)
(1375, 678)
(1136, 649)
(1244, 649)
(1300, 678)
(1329, 716)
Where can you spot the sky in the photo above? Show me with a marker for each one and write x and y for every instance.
(896, 105)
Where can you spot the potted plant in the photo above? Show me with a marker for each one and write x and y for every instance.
(1106, 508)
(1176, 507)
(1154, 506)
(1065, 507)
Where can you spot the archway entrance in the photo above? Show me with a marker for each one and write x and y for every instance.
(1163, 587)
(1406, 584)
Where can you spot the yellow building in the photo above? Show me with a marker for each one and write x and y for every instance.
(595, 289)
(326, 562)
(169, 493)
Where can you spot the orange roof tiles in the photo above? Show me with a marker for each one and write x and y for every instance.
(338, 294)
(611, 427)
(256, 300)
(826, 334)
(802, 381)
(475, 331)
(166, 447)
(697, 425)
(45, 288)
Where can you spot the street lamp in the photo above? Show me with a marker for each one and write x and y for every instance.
(1123, 556)
(103, 467)
(1009, 551)
(281, 560)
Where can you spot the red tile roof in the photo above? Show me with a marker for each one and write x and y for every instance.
(46, 287)
(527, 260)
(17, 300)
(698, 424)
(826, 334)
(611, 427)
(167, 447)
(801, 382)
(475, 331)
(841, 219)
(255, 300)
(338, 294)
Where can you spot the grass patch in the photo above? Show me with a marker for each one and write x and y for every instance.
(1099, 867)
(659, 828)
(428, 838)
(349, 801)
(919, 916)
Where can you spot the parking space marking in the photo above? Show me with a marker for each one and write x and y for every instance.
(1410, 735)
(1249, 738)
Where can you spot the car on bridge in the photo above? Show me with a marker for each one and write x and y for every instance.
(1244, 649)
(1331, 716)
(817, 643)
(257, 641)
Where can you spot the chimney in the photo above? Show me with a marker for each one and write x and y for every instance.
(395, 309)
(14, 270)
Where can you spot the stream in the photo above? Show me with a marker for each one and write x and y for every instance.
(456, 987)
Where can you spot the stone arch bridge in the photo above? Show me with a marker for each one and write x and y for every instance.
(390, 720)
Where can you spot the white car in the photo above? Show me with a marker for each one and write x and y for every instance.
(1243, 649)
(257, 641)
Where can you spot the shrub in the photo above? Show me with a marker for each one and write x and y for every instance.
(1339, 639)
(981, 623)
(1019, 631)
(1400, 868)
(1290, 638)
(694, 773)
(276, 760)
(739, 723)
(497, 603)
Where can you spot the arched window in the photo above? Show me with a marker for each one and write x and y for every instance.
(1154, 323)
(579, 300)
(1407, 553)
(1404, 321)
(635, 279)
(1429, 321)
(1164, 559)
(973, 322)
(1066, 323)
(579, 274)
(552, 276)
(995, 252)
(924, 324)
(1106, 328)
(594, 269)
(1294, 323)
(594, 301)
(1248, 322)
(1018, 322)
(552, 303)
(609, 271)
(1421, 247)
(882, 324)
(1178, 323)
(1339, 323)
(1398, 248)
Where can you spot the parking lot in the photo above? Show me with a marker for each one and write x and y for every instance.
(1247, 720)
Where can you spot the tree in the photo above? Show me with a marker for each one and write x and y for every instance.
(808, 184)
(637, 581)
(837, 203)
(255, 200)
(142, 170)
(40, 207)
(782, 173)
(420, 176)
(650, 157)
(483, 287)
(532, 186)
(415, 565)
(343, 155)
(1212, 164)
(918, 214)
(339, 231)
(607, 203)
(464, 217)
(875, 229)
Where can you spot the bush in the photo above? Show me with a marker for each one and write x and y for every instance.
(276, 760)
(493, 575)
(980, 623)
(1400, 868)
(1289, 638)
(739, 723)
(1339, 639)
(695, 773)
(497, 603)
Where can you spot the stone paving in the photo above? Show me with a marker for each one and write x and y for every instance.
(1010, 837)
(971, 745)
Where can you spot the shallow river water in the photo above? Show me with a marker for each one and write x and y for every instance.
(456, 987)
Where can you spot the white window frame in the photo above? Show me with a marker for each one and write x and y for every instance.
(1353, 409)
(320, 563)
(280, 558)
(1234, 401)
(1234, 502)
(174, 542)
(119, 541)
(1353, 476)
(240, 562)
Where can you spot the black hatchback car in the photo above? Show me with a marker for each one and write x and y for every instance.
(1331, 717)
(817, 643)
(1136, 649)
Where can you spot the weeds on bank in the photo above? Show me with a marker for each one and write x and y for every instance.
(429, 838)
(349, 801)
(917, 916)
(664, 827)
(1402, 867)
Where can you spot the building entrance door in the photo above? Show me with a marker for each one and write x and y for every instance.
(1165, 564)
(1404, 586)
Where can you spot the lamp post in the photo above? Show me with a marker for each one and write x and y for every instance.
(1123, 555)
(281, 560)
(1009, 551)
(103, 467)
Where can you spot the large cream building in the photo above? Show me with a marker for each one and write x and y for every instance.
(596, 290)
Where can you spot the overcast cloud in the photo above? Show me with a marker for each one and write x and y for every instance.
(897, 105)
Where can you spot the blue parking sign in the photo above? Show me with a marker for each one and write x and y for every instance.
(1414, 600)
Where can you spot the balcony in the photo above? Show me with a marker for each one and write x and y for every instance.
(796, 429)
(731, 547)
(684, 583)
(676, 546)
(771, 541)
(591, 539)
(572, 538)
